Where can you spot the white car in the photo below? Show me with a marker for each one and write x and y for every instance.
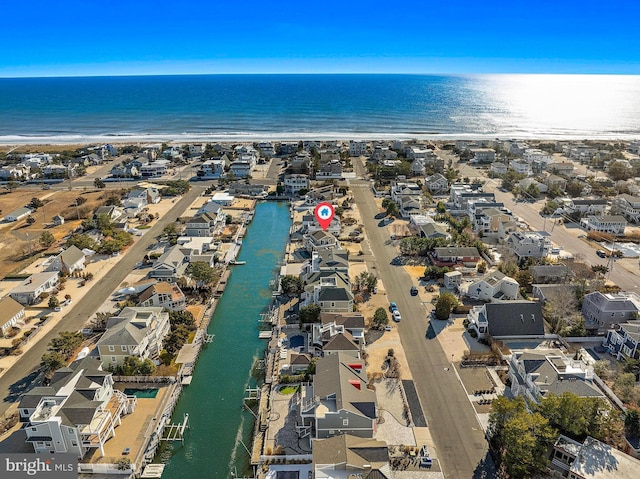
(396, 316)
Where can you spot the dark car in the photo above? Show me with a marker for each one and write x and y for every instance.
(414, 291)
(601, 253)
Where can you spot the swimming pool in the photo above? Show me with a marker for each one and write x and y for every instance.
(141, 393)
(296, 341)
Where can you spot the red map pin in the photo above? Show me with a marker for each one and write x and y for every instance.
(324, 214)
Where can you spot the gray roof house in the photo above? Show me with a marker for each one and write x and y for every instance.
(537, 373)
(18, 214)
(341, 342)
(338, 401)
(330, 290)
(507, 319)
(134, 332)
(29, 291)
(550, 273)
(77, 413)
(493, 286)
(11, 313)
(433, 230)
(170, 266)
(624, 341)
(351, 456)
(603, 310)
(333, 323)
(70, 260)
(320, 240)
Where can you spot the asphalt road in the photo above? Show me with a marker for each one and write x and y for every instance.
(624, 272)
(20, 377)
(460, 443)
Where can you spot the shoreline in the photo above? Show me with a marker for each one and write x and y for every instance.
(146, 139)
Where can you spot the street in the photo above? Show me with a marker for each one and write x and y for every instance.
(19, 377)
(454, 427)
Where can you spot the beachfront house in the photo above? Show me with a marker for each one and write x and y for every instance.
(11, 314)
(213, 168)
(602, 311)
(508, 319)
(135, 331)
(70, 260)
(338, 401)
(77, 413)
(538, 373)
(31, 290)
(357, 148)
(162, 295)
(611, 224)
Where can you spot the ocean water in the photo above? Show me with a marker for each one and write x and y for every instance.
(251, 107)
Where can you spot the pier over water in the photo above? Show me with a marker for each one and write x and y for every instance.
(213, 400)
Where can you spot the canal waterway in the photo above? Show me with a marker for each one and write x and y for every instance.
(214, 398)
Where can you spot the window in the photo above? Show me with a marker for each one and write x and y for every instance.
(124, 348)
(112, 348)
(345, 422)
(74, 443)
(113, 359)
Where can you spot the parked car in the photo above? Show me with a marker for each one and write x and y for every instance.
(393, 307)
(601, 253)
(396, 316)
(413, 291)
(388, 328)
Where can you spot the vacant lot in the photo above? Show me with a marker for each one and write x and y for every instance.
(19, 241)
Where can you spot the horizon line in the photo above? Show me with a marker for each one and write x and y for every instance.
(459, 74)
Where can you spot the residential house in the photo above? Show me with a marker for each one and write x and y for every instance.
(202, 225)
(114, 213)
(529, 244)
(414, 152)
(294, 183)
(338, 401)
(527, 183)
(521, 167)
(602, 311)
(128, 170)
(498, 168)
(467, 256)
(623, 342)
(241, 168)
(331, 170)
(267, 149)
(59, 171)
(155, 169)
(534, 154)
(403, 189)
(326, 260)
(506, 319)
(591, 459)
(627, 206)
(553, 292)
(550, 273)
(18, 214)
(612, 224)
(458, 190)
(341, 343)
(487, 219)
(57, 220)
(320, 240)
(410, 206)
(418, 167)
(310, 224)
(437, 184)
(348, 456)
(252, 190)
(137, 331)
(196, 149)
(382, 153)
(70, 260)
(15, 172)
(141, 197)
(433, 230)
(162, 295)
(538, 373)
(212, 209)
(223, 198)
(30, 290)
(11, 314)
(329, 290)
(593, 206)
(483, 155)
(197, 245)
(554, 181)
(493, 286)
(288, 148)
(77, 413)
(213, 168)
(333, 323)
(357, 148)
(452, 279)
(170, 266)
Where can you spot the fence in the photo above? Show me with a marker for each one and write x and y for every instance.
(145, 379)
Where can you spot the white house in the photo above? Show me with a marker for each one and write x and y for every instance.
(294, 183)
(498, 168)
(493, 286)
(529, 244)
(18, 214)
(612, 224)
(241, 169)
(357, 148)
(483, 155)
(627, 206)
(70, 260)
(436, 184)
(11, 313)
(521, 167)
(28, 292)
(211, 169)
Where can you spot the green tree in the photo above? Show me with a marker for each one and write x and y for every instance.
(46, 239)
(104, 223)
(98, 183)
(441, 207)
(176, 338)
(35, 203)
(66, 343)
(30, 220)
(82, 241)
(380, 318)
(279, 189)
(53, 302)
(309, 314)
(445, 304)
(632, 423)
(51, 362)
(366, 281)
(184, 318)
(203, 274)
(392, 209)
(291, 285)
(623, 386)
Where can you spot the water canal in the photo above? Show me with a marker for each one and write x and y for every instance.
(214, 398)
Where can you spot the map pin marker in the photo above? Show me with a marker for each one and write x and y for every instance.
(324, 214)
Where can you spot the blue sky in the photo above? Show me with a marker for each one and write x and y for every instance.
(114, 37)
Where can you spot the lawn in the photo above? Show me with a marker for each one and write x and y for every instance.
(287, 390)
